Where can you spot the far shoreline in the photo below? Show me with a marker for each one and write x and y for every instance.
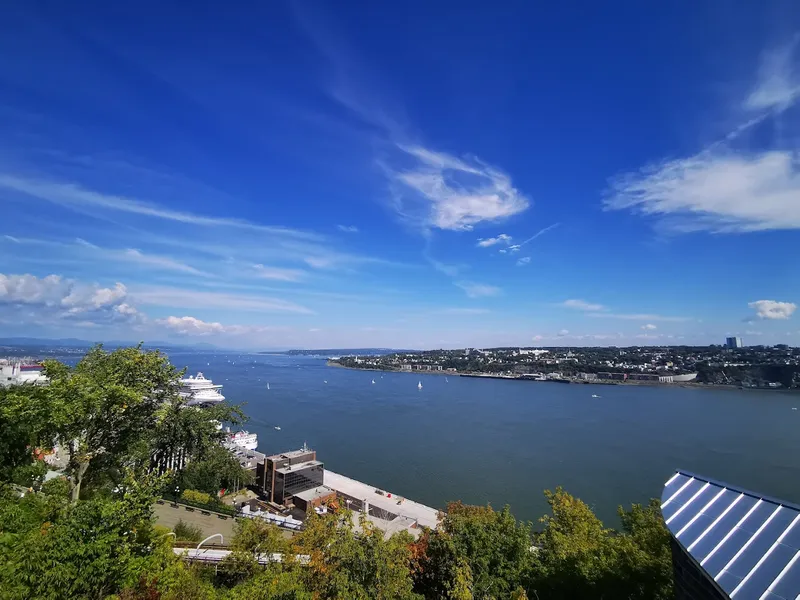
(685, 385)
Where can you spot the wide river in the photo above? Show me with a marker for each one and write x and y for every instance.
(504, 442)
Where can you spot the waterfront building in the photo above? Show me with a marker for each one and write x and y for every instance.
(281, 476)
(728, 542)
(733, 342)
(18, 372)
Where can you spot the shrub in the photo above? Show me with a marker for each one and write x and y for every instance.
(186, 532)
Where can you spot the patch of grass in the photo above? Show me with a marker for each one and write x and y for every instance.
(186, 532)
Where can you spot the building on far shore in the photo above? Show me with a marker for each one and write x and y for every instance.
(728, 542)
(733, 342)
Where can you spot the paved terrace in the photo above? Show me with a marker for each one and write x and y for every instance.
(423, 515)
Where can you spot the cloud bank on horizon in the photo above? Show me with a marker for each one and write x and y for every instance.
(365, 191)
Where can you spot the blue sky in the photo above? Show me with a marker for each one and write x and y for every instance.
(418, 174)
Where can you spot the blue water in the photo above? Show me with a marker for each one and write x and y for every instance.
(504, 442)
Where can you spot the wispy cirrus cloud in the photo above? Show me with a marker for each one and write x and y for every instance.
(198, 299)
(478, 290)
(639, 317)
(162, 262)
(582, 305)
(464, 311)
(347, 228)
(649, 327)
(525, 260)
(279, 274)
(725, 188)
(75, 196)
(440, 191)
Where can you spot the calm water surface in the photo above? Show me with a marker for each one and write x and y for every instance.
(504, 442)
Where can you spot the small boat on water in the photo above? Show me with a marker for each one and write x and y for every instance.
(419, 385)
(267, 385)
(373, 382)
(325, 381)
(277, 428)
(596, 396)
(445, 380)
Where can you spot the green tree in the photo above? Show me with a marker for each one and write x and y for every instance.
(105, 407)
(363, 566)
(26, 423)
(645, 554)
(215, 470)
(183, 434)
(52, 548)
(494, 545)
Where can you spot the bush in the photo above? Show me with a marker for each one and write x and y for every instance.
(197, 497)
(187, 533)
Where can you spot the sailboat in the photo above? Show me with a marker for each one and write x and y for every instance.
(419, 385)
(445, 380)
(268, 385)
(325, 381)
(373, 382)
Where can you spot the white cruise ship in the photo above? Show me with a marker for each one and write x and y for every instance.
(200, 391)
(12, 373)
(241, 439)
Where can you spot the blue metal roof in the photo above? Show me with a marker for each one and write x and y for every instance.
(748, 543)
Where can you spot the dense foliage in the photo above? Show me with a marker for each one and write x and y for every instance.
(90, 533)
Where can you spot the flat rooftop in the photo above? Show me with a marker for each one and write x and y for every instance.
(290, 454)
(410, 510)
(313, 494)
(299, 466)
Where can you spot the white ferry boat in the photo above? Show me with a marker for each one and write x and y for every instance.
(200, 391)
(241, 439)
(16, 372)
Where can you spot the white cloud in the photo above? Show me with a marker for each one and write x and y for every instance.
(503, 238)
(347, 228)
(538, 338)
(778, 85)
(582, 305)
(83, 242)
(719, 192)
(189, 298)
(160, 262)
(77, 197)
(639, 317)
(540, 232)
(451, 194)
(477, 290)
(514, 248)
(772, 309)
(279, 274)
(191, 326)
(523, 261)
(11, 238)
(649, 327)
(57, 297)
(464, 311)
(722, 189)
(563, 333)
(449, 270)
(648, 336)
